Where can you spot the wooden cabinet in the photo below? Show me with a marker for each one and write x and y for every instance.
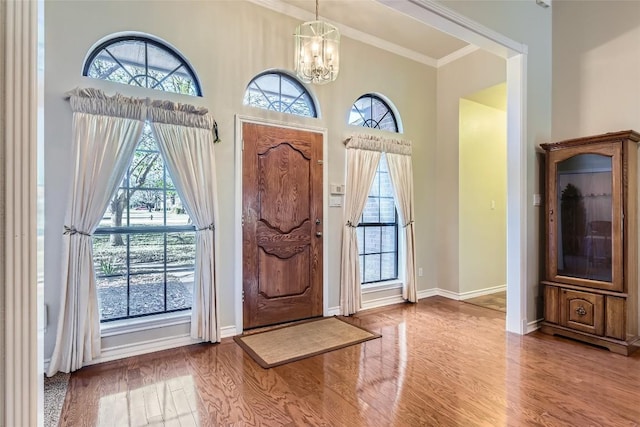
(591, 286)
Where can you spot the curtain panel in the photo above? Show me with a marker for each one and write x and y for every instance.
(363, 154)
(106, 131)
(184, 134)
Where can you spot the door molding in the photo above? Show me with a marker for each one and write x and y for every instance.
(239, 120)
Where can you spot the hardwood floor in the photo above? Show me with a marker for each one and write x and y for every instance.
(439, 362)
(495, 301)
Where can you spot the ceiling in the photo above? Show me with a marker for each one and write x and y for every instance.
(374, 23)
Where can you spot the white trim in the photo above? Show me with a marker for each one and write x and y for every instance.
(21, 381)
(517, 194)
(381, 302)
(304, 15)
(457, 55)
(228, 331)
(127, 326)
(381, 287)
(440, 17)
(448, 294)
(239, 120)
(333, 311)
(533, 326)
(427, 293)
(486, 291)
(144, 347)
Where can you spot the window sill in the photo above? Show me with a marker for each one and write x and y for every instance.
(381, 286)
(126, 326)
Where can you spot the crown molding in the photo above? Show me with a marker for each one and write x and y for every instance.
(456, 55)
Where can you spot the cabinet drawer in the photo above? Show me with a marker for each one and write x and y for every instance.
(582, 311)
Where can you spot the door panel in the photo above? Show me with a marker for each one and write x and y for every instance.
(282, 231)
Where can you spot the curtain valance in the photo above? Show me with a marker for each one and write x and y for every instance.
(379, 143)
(95, 101)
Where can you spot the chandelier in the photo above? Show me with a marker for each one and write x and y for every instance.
(317, 56)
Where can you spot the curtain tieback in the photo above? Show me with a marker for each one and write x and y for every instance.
(71, 230)
(408, 224)
(350, 224)
(208, 227)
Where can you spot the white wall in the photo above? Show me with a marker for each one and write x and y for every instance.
(529, 24)
(596, 63)
(228, 42)
(483, 201)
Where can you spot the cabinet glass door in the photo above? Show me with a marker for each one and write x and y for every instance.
(584, 218)
(584, 225)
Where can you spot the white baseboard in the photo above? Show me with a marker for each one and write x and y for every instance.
(426, 293)
(381, 302)
(228, 331)
(459, 296)
(481, 292)
(139, 348)
(533, 326)
(333, 311)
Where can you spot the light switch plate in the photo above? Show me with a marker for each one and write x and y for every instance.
(335, 201)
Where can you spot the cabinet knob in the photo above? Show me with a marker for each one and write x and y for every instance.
(580, 311)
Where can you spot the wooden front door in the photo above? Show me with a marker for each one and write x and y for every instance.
(282, 224)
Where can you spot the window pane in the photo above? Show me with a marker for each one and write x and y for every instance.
(388, 239)
(375, 186)
(372, 237)
(110, 263)
(181, 255)
(371, 210)
(146, 294)
(386, 189)
(388, 267)
(360, 234)
(372, 268)
(387, 210)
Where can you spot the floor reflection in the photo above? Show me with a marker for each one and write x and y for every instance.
(171, 402)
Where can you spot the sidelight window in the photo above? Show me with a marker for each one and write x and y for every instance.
(378, 228)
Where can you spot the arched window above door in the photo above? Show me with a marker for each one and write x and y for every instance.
(144, 62)
(278, 91)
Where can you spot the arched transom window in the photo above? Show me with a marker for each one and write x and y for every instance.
(280, 92)
(373, 112)
(144, 62)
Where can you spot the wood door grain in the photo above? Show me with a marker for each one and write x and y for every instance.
(282, 231)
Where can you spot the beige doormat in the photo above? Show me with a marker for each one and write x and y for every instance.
(301, 340)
